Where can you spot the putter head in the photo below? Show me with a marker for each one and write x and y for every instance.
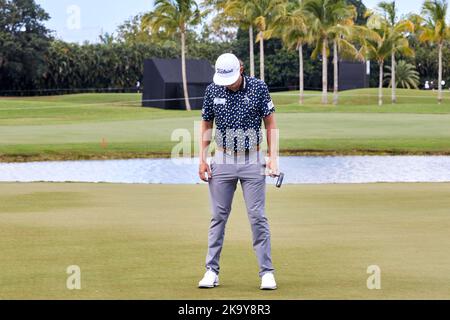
(280, 180)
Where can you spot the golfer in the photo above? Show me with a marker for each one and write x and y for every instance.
(238, 104)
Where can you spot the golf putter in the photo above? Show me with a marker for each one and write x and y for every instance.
(280, 180)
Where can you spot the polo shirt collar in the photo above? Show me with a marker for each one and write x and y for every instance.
(244, 83)
(243, 86)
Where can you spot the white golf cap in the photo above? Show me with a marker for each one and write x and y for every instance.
(228, 70)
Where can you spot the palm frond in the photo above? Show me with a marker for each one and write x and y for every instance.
(406, 75)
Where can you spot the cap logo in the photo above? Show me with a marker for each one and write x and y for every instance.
(224, 71)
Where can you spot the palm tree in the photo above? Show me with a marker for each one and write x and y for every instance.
(407, 75)
(330, 21)
(398, 28)
(266, 12)
(235, 14)
(175, 17)
(250, 14)
(292, 27)
(340, 36)
(376, 44)
(436, 30)
(242, 15)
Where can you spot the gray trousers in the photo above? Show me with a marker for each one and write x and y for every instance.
(226, 170)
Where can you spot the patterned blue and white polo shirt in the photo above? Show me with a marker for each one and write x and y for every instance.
(238, 115)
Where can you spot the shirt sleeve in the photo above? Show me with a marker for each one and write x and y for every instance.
(208, 107)
(266, 105)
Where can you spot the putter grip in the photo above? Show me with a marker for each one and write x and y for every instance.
(280, 180)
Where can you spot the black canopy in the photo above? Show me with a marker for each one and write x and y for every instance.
(163, 83)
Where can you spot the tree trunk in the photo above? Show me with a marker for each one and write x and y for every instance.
(301, 73)
(324, 73)
(183, 71)
(336, 73)
(252, 52)
(380, 89)
(440, 74)
(393, 78)
(261, 56)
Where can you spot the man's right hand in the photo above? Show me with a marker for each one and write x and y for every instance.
(204, 168)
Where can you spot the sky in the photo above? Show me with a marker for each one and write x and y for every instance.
(81, 20)
(85, 20)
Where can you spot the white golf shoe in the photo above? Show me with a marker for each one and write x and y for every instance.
(268, 282)
(210, 280)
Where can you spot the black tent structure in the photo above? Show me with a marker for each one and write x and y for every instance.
(163, 83)
(353, 75)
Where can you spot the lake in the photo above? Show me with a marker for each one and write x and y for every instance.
(298, 170)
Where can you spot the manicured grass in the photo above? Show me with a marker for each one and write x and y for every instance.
(366, 100)
(149, 241)
(101, 126)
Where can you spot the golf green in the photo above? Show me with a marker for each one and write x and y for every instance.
(149, 241)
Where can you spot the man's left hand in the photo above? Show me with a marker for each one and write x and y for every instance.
(272, 168)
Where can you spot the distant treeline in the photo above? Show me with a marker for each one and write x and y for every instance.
(32, 62)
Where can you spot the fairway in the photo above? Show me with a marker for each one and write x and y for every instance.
(107, 126)
(149, 241)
